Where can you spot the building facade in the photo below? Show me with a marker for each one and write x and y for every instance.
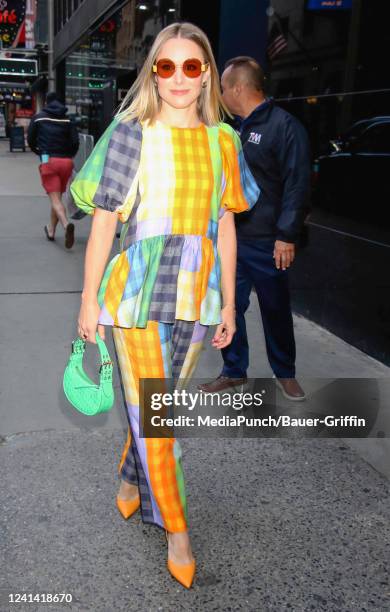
(331, 71)
(335, 49)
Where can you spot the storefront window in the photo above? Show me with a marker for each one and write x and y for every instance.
(101, 70)
(16, 106)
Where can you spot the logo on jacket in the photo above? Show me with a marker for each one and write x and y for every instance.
(254, 137)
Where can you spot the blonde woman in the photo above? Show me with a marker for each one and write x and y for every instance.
(173, 173)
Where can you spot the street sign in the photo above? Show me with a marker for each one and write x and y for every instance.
(323, 5)
(18, 67)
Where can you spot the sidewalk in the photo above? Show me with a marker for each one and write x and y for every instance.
(276, 524)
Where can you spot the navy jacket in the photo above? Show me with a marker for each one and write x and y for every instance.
(51, 131)
(276, 148)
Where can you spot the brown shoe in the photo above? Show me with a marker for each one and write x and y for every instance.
(291, 389)
(69, 236)
(223, 383)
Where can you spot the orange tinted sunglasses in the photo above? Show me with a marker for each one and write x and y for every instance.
(192, 68)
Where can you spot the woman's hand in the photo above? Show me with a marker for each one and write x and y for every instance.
(88, 320)
(225, 330)
(227, 248)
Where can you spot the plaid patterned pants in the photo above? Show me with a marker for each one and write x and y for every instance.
(161, 350)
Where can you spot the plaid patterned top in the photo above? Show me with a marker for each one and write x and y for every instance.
(169, 187)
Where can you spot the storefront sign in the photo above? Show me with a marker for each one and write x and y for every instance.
(18, 67)
(24, 112)
(12, 24)
(16, 140)
(318, 5)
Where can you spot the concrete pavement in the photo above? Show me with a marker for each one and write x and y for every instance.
(277, 524)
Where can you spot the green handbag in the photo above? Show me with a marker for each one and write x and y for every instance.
(81, 391)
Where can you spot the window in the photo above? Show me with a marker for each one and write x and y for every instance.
(376, 139)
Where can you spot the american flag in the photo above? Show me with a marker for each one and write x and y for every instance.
(276, 41)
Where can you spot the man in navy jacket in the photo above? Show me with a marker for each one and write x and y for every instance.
(276, 148)
(54, 137)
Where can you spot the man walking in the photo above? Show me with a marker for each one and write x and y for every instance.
(54, 137)
(276, 148)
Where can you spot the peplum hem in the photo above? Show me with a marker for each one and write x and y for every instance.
(162, 278)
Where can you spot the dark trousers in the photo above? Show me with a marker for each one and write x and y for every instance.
(256, 268)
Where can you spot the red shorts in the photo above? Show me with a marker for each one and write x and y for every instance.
(56, 173)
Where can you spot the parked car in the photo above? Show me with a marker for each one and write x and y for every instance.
(353, 180)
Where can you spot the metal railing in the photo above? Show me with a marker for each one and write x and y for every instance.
(85, 148)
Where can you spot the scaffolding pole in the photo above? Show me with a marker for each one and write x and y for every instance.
(51, 72)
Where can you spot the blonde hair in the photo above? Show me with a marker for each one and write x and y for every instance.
(142, 101)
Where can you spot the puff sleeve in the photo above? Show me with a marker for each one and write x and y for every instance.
(109, 177)
(239, 189)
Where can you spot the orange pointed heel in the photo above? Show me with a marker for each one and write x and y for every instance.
(182, 573)
(127, 507)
